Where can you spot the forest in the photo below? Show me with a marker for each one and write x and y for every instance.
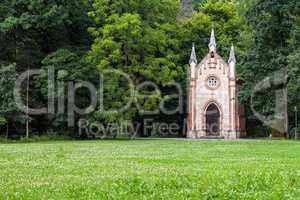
(150, 41)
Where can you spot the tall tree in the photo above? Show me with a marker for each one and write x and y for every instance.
(220, 15)
(271, 22)
(139, 39)
(294, 71)
(33, 29)
(8, 109)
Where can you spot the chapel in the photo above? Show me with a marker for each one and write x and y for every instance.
(213, 108)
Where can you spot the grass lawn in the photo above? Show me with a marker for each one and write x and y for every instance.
(150, 169)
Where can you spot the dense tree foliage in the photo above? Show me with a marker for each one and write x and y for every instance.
(294, 70)
(148, 40)
(8, 110)
(137, 38)
(273, 40)
(31, 30)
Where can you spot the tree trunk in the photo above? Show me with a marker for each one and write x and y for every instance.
(6, 136)
(27, 105)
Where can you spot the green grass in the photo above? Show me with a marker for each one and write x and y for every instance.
(150, 169)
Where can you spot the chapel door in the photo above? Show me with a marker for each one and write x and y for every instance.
(212, 121)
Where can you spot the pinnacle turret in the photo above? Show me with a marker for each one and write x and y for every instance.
(232, 55)
(212, 43)
(193, 58)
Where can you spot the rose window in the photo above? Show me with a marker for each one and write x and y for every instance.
(213, 82)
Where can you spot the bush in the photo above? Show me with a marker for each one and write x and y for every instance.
(35, 138)
(3, 121)
(293, 131)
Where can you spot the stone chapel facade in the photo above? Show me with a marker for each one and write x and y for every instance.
(214, 111)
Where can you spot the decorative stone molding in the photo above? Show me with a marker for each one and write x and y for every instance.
(223, 95)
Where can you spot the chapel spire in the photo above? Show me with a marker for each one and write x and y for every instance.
(212, 43)
(232, 55)
(193, 58)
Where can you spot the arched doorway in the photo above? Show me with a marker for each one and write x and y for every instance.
(212, 117)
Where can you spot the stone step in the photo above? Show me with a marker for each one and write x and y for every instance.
(212, 137)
